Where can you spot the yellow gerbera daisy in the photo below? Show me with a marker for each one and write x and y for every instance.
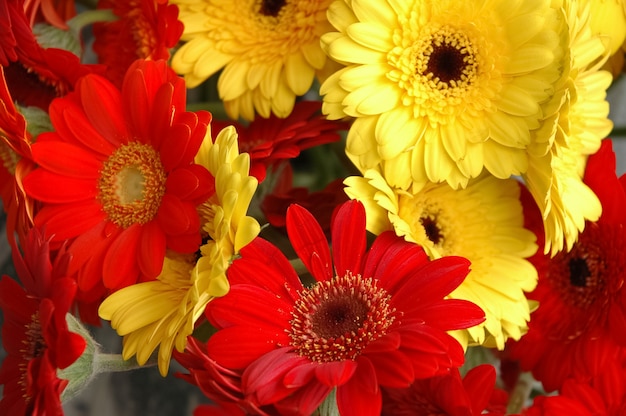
(557, 156)
(269, 50)
(443, 87)
(163, 312)
(483, 223)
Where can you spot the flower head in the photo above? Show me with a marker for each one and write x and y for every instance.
(269, 51)
(162, 313)
(441, 89)
(580, 324)
(372, 318)
(146, 29)
(272, 140)
(447, 394)
(35, 333)
(569, 134)
(35, 75)
(483, 223)
(117, 176)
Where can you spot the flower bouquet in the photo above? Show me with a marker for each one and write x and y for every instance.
(316, 207)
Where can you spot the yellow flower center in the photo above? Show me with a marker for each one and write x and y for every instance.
(336, 319)
(132, 183)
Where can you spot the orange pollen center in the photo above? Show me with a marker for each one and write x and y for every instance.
(336, 319)
(142, 32)
(132, 184)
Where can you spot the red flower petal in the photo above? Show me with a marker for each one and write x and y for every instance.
(102, 104)
(264, 265)
(335, 373)
(349, 239)
(120, 264)
(360, 396)
(237, 347)
(66, 159)
(309, 242)
(391, 259)
(151, 251)
(50, 187)
(246, 305)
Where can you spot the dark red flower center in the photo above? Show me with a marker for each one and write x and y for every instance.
(271, 7)
(588, 278)
(446, 62)
(132, 184)
(336, 319)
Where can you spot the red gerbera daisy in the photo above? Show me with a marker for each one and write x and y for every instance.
(580, 324)
(272, 140)
(118, 177)
(146, 29)
(35, 333)
(373, 318)
(447, 395)
(35, 75)
(580, 398)
(221, 385)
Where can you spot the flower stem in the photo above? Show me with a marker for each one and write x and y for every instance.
(520, 393)
(83, 19)
(114, 363)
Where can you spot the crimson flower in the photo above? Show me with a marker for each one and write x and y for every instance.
(321, 203)
(372, 318)
(117, 176)
(145, 29)
(35, 333)
(448, 395)
(272, 140)
(580, 325)
(579, 398)
(221, 385)
(34, 74)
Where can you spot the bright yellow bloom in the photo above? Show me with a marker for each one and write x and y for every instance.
(442, 88)
(574, 130)
(269, 51)
(163, 312)
(483, 223)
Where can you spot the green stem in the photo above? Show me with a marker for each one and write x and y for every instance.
(114, 363)
(298, 266)
(520, 393)
(86, 18)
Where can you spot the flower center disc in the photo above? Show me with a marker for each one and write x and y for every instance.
(445, 59)
(132, 183)
(336, 319)
(271, 7)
